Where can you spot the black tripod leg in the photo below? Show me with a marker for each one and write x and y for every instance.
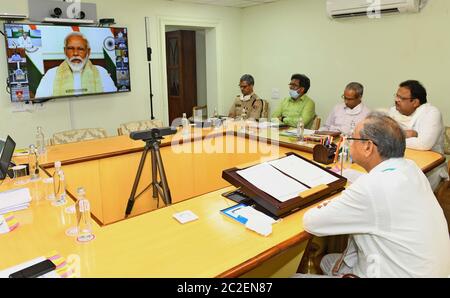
(136, 182)
(154, 175)
(167, 198)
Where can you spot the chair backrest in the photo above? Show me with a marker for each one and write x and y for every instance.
(200, 111)
(127, 128)
(447, 140)
(77, 135)
(315, 123)
(265, 109)
(2, 144)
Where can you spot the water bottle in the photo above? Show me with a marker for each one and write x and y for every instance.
(345, 160)
(244, 114)
(352, 128)
(72, 213)
(84, 227)
(215, 121)
(241, 124)
(59, 185)
(40, 141)
(300, 129)
(185, 124)
(33, 163)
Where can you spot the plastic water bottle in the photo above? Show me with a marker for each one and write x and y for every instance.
(40, 141)
(185, 124)
(59, 185)
(345, 161)
(33, 163)
(72, 213)
(215, 119)
(244, 114)
(242, 121)
(352, 128)
(85, 233)
(300, 129)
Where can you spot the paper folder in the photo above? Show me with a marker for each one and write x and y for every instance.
(311, 195)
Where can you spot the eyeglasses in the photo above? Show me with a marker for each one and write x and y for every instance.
(348, 98)
(401, 97)
(363, 140)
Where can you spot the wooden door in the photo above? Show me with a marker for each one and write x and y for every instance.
(181, 73)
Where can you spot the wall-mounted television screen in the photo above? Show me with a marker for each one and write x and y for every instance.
(49, 61)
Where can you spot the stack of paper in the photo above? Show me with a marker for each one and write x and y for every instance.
(293, 132)
(266, 124)
(287, 177)
(13, 200)
(273, 182)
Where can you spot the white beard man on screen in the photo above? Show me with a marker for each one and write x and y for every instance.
(24, 41)
(76, 75)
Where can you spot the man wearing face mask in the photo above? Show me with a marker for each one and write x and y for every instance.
(422, 123)
(298, 104)
(248, 100)
(76, 75)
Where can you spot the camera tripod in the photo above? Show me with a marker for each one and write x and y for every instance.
(159, 188)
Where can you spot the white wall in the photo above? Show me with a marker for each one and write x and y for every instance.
(291, 36)
(110, 110)
(271, 42)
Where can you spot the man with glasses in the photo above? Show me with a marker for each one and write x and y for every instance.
(346, 115)
(422, 123)
(298, 104)
(76, 74)
(247, 100)
(396, 226)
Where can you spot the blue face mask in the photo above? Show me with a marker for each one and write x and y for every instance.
(294, 94)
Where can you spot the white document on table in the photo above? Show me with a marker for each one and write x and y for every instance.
(273, 182)
(15, 199)
(303, 171)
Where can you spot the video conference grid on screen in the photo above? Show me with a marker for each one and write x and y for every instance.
(46, 61)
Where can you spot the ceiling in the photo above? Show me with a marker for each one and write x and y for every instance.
(228, 3)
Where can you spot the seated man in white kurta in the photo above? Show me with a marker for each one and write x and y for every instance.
(396, 226)
(76, 75)
(346, 115)
(422, 123)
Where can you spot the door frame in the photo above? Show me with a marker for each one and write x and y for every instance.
(214, 58)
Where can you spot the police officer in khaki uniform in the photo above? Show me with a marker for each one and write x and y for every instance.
(248, 100)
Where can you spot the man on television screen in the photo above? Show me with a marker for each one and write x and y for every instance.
(25, 41)
(76, 75)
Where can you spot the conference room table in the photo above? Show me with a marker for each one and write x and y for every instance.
(150, 242)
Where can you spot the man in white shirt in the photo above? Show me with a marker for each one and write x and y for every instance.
(396, 226)
(346, 115)
(25, 41)
(76, 75)
(422, 123)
